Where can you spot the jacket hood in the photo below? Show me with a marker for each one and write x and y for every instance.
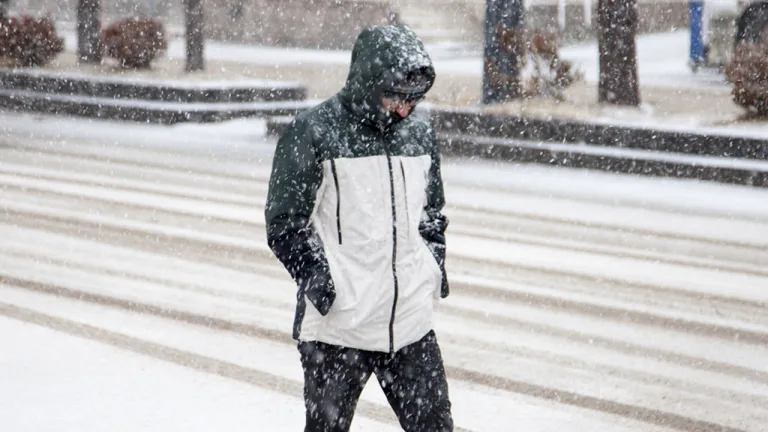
(383, 56)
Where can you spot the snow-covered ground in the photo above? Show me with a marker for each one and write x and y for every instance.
(674, 97)
(70, 379)
(137, 292)
(662, 58)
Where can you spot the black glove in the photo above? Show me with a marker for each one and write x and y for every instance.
(433, 233)
(438, 250)
(320, 291)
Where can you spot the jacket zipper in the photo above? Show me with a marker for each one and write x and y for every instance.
(405, 196)
(394, 256)
(338, 198)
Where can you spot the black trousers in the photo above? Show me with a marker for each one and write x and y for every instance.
(413, 379)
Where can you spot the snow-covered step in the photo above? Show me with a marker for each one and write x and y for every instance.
(145, 99)
(143, 111)
(614, 159)
(164, 90)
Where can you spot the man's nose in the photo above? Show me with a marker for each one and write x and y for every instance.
(403, 110)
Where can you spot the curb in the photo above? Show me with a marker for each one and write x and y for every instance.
(276, 125)
(610, 135)
(618, 149)
(652, 164)
(147, 101)
(144, 112)
(158, 90)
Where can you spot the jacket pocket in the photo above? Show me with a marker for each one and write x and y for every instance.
(338, 198)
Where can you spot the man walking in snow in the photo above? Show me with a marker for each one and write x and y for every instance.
(354, 214)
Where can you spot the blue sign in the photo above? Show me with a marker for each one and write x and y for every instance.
(698, 51)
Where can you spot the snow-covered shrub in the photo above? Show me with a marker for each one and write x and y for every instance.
(748, 72)
(29, 41)
(546, 73)
(135, 42)
(542, 73)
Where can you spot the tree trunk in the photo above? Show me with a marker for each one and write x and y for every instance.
(195, 42)
(617, 26)
(89, 31)
(504, 33)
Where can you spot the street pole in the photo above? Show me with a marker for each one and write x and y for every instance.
(195, 38)
(89, 31)
(504, 44)
(4, 8)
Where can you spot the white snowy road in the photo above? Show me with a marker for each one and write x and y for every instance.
(580, 301)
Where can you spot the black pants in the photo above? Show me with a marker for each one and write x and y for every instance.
(413, 380)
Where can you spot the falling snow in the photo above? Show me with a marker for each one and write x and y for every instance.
(511, 214)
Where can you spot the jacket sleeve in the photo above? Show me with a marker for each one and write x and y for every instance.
(434, 223)
(295, 178)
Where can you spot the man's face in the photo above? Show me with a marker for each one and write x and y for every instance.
(399, 106)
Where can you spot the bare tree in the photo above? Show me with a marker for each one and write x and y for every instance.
(89, 31)
(504, 33)
(195, 20)
(617, 27)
